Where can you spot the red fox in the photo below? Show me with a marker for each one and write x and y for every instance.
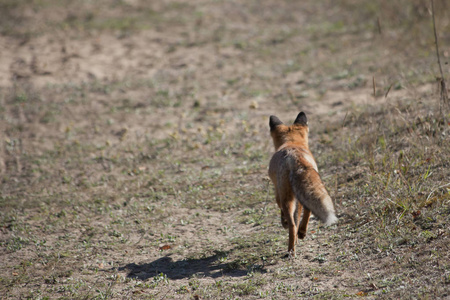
(295, 176)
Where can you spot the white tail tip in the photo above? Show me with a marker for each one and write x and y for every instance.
(331, 220)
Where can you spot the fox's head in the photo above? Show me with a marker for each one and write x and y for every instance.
(296, 133)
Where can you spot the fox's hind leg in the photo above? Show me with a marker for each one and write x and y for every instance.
(288, 208)
(284, 221)
(304, 225)
(289, 211)
(297, 215)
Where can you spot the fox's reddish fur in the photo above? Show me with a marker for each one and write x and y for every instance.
(295, 176)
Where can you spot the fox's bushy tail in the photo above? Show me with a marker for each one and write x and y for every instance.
(309, 189)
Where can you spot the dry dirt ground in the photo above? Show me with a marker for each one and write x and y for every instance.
(135, 145)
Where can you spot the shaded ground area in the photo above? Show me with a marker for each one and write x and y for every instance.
(135, 146)
(204, 267)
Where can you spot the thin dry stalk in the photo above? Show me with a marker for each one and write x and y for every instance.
(374, 87)
(343, 122)
(444, 95)
(387, 92)
(379, 26)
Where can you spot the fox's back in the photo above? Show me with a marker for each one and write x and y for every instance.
(290, 158)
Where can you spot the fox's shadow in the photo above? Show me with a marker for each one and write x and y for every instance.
(204, 267)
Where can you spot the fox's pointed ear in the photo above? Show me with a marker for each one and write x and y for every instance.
(274, 122)
(301, 119)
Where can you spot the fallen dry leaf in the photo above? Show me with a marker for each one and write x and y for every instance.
(165, 247)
